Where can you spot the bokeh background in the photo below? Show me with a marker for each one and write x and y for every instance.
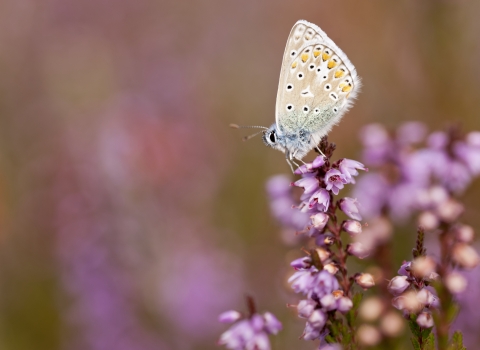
(130, 214)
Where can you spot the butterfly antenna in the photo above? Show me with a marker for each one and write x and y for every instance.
(235, 126)
(246, 138)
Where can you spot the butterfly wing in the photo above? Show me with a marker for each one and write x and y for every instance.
(317, 83)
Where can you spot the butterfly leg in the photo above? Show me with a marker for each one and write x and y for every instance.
(287, 158)
(320, 151)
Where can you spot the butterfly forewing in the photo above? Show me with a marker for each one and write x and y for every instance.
(317, 83)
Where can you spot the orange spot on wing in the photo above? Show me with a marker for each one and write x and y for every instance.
(294, 65)
(346, 88)
(331, 64)
(316, 53)
(304, 57)
(325, 56)
(339, 74)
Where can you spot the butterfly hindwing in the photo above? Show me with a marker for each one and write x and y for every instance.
(317, 83)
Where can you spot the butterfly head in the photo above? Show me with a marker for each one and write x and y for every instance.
(272, 138)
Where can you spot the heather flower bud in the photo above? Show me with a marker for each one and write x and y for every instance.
(455, 282)
(464, 233)
(407, 302)
(405, 268)
(324, 240)
(450, 210)
(392, 324)
(465, 256)
(350, 207)
(368, 335)
(357, 249)
(319, 221)
(473, 138)
(398, 285)
(305, 308)
(323, 254)
(317, 319)
(425, 320)
(370, 309)
(365, 280)
(301, 263)
(331, 347)
(332, 268)
(428, 221)
(352, 227)
(310, 332)
(272, 325)
(328, 302)
(427, 298)
(229, 316)
(423, 266)
(344, 304)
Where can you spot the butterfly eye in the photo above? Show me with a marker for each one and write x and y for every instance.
(289, 87)
(305, 109)
(289, 107)
(272, 137)
(328, 87)
(300, 76)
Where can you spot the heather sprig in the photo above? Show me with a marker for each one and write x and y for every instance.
(248, 331)
(330, 304)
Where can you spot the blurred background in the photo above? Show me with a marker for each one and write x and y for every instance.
(130, 214)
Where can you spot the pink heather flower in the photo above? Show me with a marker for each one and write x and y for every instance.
(398, 285)
(425, 320)
(335, 180)
(251, 333)
(317, 319)
(301, 263)
(319, 220)
(272, 325)
(377, 144)
(344, 304)
(309, 184)
(358, 249)
(325, 283)
(305, 308)
(470, 155)
(321, 199)
(328, 302)
(330, 347)
(411, 132)
(405, 268)
(229, 316)
(349, 168)
(427, 298)
(303, 281)
(352, 227)
(310, 167)
(365, 280)
(350, 207)
(311, 333)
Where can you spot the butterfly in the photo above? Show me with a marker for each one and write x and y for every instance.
(317, 85)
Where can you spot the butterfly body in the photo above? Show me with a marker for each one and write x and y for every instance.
(317, 85)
